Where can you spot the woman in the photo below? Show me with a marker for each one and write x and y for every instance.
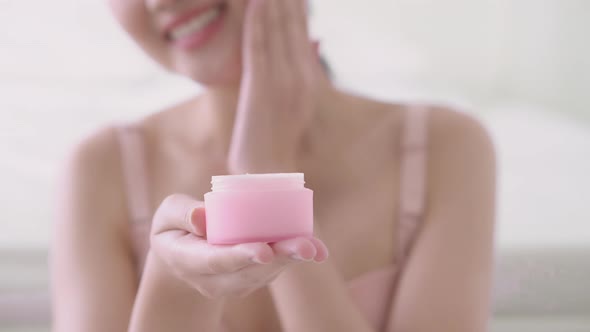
(404, 194)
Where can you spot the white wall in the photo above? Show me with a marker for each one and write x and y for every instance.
(448, 48)
(547, 54)
(484, 51)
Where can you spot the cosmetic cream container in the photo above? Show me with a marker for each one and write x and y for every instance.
(258, 208)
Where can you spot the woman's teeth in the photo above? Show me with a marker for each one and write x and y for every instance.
(195, 24)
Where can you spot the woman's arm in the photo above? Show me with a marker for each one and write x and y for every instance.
(94, 279)
(446, 283)
(165, 303)
(314, 297)
(447, 280)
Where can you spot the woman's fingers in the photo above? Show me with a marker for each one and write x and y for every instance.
(180, 212)
(179, 237)
(198, 220)
(227, 259)
(321, 249)
(192, 253)
(297, 28)
(255, 41)
(278, 38)
(302, 249)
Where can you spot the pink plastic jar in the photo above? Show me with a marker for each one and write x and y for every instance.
(258, 208)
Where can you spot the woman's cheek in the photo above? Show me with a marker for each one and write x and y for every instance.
(134, 18)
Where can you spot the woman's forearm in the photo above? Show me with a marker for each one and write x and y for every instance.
(314, 297)
(164, 303)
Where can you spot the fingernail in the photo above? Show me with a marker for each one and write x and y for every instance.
(197, 221)
(191, 216)
(319, 260)
(257, 260)
(299, 258)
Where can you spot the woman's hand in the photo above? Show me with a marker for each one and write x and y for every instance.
(178, 240)
(278, 90)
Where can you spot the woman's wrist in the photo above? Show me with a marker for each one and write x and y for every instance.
(163, 274)
(166, 302)
(164, 278)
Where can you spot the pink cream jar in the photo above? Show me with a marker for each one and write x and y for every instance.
(258, 208)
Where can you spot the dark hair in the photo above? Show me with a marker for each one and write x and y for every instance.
(326, 66)
(323, 61)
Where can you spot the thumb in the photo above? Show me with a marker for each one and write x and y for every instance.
(198, 221)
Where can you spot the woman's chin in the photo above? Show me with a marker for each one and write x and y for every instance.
(227, 75)
(214, 81)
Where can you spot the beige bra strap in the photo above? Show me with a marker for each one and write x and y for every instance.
(412, 189)
(413, 172)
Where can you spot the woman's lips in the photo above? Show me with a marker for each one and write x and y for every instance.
(196, 30)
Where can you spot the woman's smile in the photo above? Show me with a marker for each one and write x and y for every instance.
(196, 27)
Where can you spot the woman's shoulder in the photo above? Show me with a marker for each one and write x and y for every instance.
(97, 153)
(446, 124)
(460, 131)
(94, 177)
(93, 164)
(98, 156)
(452, 131)
(90, 196)
(461, 162)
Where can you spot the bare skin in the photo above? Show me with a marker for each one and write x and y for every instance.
(348, 149)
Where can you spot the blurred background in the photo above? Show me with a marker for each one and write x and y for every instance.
(522, 67)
